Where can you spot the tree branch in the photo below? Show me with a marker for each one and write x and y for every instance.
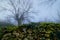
(12, 4)
(5, 9)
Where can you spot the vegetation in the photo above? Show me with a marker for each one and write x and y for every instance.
(32, 31)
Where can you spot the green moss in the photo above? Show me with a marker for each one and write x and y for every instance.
(32, 30)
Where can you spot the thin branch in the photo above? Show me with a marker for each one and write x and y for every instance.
(5, 9)
(12, 4)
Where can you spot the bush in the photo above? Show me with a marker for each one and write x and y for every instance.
(32, 31)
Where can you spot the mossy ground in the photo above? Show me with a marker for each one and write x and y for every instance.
(32, 31)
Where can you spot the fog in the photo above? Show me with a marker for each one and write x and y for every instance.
(46, 10)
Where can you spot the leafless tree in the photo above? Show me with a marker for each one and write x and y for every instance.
(48, 2)
(58, 16)
(20, 10)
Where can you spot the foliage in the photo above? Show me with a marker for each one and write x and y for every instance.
(32, 31)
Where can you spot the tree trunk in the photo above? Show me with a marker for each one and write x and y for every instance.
(19, 22)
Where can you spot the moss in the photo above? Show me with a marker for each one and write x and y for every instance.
(32, 31)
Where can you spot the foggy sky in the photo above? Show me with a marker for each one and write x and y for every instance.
(43, 8)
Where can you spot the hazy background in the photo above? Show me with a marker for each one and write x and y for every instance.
(46, 10)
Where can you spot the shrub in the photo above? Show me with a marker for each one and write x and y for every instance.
(32, 31)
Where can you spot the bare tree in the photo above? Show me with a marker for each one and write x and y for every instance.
(20, 10)
(58, 14)
(48, 2)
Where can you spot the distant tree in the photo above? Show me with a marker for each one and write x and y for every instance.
(49, 2)
(20, 10)
(5, 24)
(58, 17)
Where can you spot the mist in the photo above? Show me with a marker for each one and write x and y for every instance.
(46, 10)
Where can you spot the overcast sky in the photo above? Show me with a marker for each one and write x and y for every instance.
(45, 11)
